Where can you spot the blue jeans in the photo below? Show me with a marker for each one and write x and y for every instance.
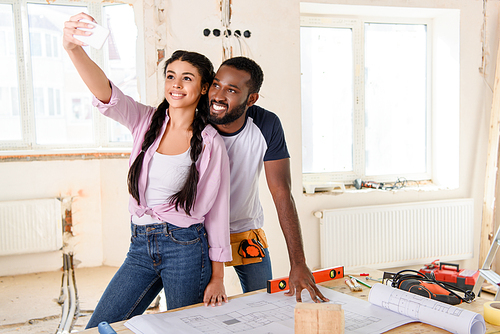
(254, 276)
(160, 256)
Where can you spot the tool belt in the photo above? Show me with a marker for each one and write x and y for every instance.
(247, 247)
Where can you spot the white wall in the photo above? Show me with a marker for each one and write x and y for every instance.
(475, 105)
(100, 215)
(99, 209)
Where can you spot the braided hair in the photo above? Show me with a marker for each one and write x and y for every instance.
(185, 197)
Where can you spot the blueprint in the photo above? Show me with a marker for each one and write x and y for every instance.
(265, 313)
(445, 316)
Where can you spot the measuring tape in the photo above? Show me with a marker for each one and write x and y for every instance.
(492, 312)
(322, 275)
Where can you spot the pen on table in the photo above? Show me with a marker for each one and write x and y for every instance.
(373, 279)
(360, 281)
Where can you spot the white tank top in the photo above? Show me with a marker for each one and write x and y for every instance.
(166, 176)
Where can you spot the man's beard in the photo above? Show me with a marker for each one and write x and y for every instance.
(230, 116)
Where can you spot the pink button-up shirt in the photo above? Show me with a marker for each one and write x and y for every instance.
(212, 201)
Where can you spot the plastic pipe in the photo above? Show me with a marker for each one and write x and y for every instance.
(72, 300)
(65, 296)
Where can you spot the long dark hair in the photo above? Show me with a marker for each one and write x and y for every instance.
(186, 197)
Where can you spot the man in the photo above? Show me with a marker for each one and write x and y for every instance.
(254, 139)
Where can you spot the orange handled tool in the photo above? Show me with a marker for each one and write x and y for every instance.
(322, 275)
(430, 290)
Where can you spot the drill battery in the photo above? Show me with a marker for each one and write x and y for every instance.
(451, 274)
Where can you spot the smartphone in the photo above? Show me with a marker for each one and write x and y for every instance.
(98, 37)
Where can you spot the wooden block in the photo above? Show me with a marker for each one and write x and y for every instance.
(319, 318)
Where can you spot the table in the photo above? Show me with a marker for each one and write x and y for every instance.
(340, 286)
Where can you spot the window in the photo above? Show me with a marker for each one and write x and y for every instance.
(395, 99)
(47, 104)
(121, 62)
(10, 121)
(368, 87)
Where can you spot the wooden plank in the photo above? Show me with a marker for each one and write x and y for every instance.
(491, 177)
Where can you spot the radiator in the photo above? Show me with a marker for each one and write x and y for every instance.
(30, 226)
(386, 236)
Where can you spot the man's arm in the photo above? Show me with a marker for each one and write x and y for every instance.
(280, 185)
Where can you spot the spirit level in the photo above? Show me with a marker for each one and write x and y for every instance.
(322, 275)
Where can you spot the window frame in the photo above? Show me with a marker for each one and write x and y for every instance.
(27, 144)
(337, 19)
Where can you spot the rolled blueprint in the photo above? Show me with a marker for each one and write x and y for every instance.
(429, 311)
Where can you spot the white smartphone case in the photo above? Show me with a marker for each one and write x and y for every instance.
(99, 35)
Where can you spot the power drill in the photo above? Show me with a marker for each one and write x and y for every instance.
(358, 184)
(429, 290)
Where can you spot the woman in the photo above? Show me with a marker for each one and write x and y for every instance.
(178, 182)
